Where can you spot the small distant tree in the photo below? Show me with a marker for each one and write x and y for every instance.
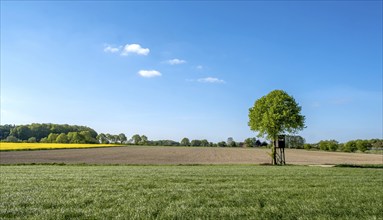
(350, 146)
(195, 143)
(87, 137)
(307, 146)
(44, 140)
(21, 132)
(122, 138)
(12, 138)
(376, 143)
(275, 114)
(323, 145)
(5, 130)
(329, 145)
(62, 138)
(221, 144)
(185, 142)
(363, 145)
(32, 140)
(232, 144)
(75, 138)
(333, 145)
(293, 141)
(110, 138)
(229, 141)
(250, 142)
(136, 139)
(52, 137)
(102, 139)
(144, 140)
(204, 143)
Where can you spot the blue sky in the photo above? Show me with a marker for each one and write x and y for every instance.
(192, 69)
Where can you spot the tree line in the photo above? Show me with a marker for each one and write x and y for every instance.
(350, 146)
(299, 142)
(57, 133)
(64, 133)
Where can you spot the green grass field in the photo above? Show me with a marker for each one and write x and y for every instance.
(190, 192)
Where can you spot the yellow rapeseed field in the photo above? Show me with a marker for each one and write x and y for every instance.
(31, 146)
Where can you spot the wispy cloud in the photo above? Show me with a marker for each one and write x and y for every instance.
(210, 80)
(134, 49)
(199, 67)
(176, 61)
(110, 49)
(315, 104)
(149, 73)
(341, 101)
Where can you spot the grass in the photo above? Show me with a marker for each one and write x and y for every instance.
(189, 192)
(4, 146)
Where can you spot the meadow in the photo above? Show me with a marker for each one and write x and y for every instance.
(5, 146)
(189, 192)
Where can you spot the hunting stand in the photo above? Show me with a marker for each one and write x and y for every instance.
(279, 150)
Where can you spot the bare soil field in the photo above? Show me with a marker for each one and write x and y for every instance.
(182, 155)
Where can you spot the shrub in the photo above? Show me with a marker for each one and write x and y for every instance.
(328, 145)
(350, 146)
(307, 146)
(323, 145)
(363, 145)
(332, 145)
(32, 140)
(44, 140)
(62, 138)
(12, 139)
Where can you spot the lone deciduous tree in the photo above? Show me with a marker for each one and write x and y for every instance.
(275, 114)
(185, 142)
(136, 139)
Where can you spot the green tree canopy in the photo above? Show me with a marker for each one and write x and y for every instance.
(102, 138)
(185, 142)
(52, 137)
(144, 140)
(136, 139)
(62, 138)
(122, 138)
(274, 114)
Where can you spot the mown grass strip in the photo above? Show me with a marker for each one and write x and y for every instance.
(190, 192)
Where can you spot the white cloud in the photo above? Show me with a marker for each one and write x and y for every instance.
(315, 105)
(149, 73)
(176, 61)
(199, 67)
(210, 80)
(110, 49)
(134, 48)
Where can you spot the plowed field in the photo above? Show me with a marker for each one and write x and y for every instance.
(182, 155)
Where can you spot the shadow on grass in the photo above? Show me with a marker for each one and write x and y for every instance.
(375, 166)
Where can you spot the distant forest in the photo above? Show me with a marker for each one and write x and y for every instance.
(48, 133)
